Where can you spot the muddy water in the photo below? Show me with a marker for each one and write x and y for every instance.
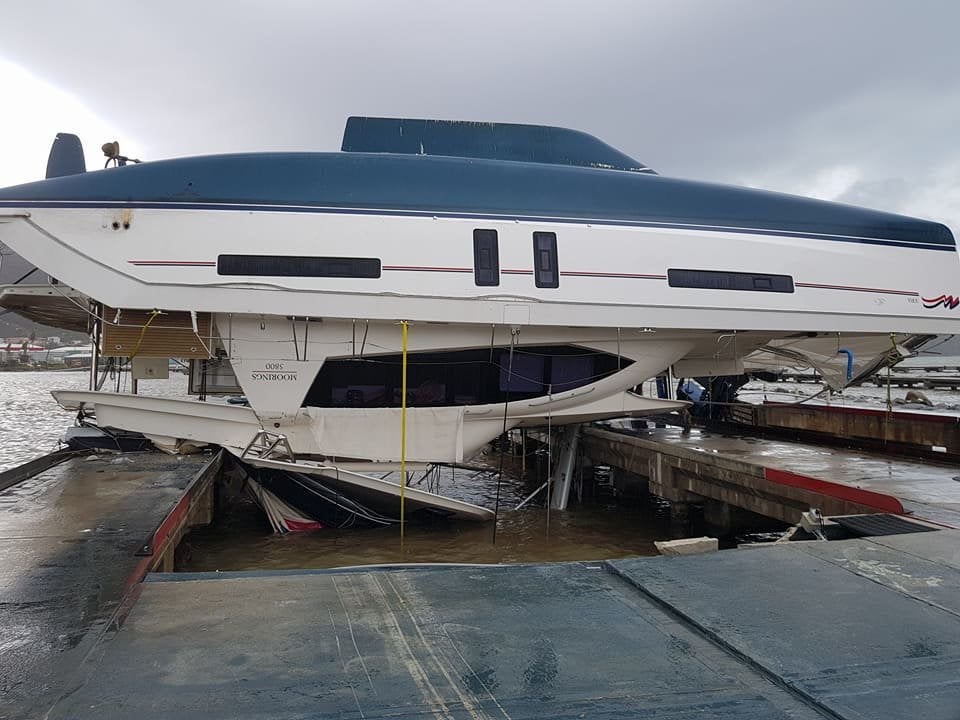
(243, 540)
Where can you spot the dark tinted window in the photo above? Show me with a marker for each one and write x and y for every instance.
(717, 280)
(486, 257)
(545, 270)
(298, 266)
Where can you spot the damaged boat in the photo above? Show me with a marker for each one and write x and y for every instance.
(538, 274)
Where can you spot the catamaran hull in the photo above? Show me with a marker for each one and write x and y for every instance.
(433, 434)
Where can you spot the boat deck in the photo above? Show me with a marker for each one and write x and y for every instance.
(851, 629)
(69, 543)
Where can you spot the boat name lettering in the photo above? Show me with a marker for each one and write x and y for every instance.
(274, 375)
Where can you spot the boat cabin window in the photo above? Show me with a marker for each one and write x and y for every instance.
(298, 266)
(716, 280)
(545, 270)
(486, 257)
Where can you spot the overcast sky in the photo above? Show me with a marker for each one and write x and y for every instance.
(857, 101)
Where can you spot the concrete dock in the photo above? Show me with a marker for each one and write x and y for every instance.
(777, 478)
(849, 629)
(75, 540)
(927, 433)
(93, 624)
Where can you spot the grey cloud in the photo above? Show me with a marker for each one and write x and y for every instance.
(768, 92)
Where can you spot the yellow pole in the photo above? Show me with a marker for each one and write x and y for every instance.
(403, 429)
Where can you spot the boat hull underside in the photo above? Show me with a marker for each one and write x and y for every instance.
(451, 434)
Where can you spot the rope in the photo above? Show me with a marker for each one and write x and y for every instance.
(889, 415)
(549, 454)
(506, 403)
(143, 331)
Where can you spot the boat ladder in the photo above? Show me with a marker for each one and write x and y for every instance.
(267, 445)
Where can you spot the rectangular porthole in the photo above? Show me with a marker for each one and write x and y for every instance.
(486, 258)
(718, 280)
(298, 266)
(545, 270)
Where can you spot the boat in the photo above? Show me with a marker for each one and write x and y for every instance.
(506, 275)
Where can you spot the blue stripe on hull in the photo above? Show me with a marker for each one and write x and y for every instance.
(472, 188)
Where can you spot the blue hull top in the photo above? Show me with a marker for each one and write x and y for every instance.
(400, 180)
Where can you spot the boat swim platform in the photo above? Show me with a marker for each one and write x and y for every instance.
(75, 541)
(777, 478)
(866, 628)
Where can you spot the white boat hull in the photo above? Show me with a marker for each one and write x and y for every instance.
(369, 434)
(384, 494)
(611, 276)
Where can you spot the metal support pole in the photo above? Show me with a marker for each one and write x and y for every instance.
(95, 345)
(563, 475)
(523, 452)
(532, 495)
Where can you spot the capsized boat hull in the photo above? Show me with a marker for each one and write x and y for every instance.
(378, 494)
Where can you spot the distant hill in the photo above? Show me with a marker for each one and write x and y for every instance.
(12, 268)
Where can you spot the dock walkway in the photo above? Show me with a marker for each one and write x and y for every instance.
(851, 629)
(866, 628)
(71, 548)
(777, 478)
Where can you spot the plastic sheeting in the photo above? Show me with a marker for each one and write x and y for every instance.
(433, 434)
(284, 518)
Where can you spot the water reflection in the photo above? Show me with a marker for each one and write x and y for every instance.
(32, 423)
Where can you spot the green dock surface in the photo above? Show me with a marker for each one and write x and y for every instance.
(69, 539)
(864, 628)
